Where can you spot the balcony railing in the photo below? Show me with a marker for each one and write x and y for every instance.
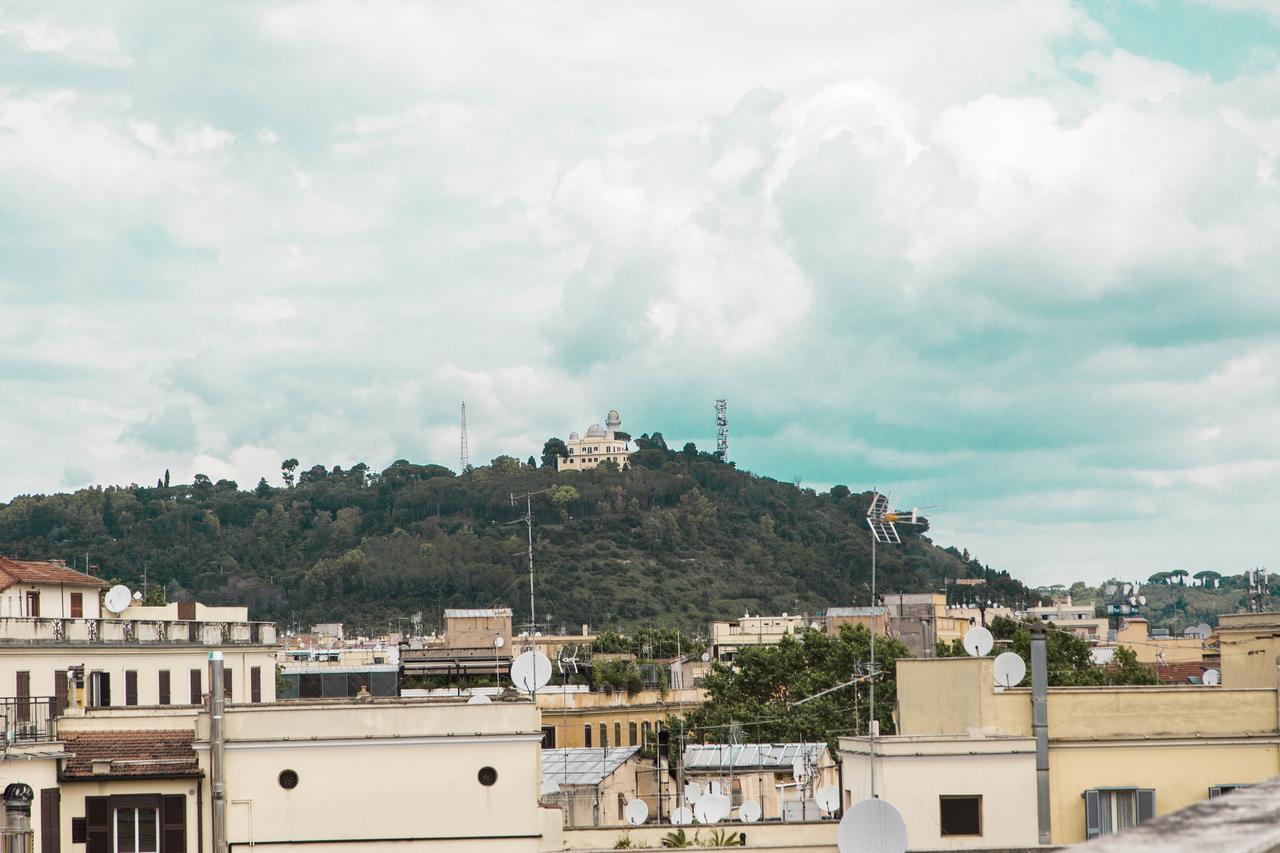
(21, 629)
(29, 719)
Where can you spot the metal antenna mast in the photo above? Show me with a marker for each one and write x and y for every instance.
(722, 430)
(527, 520)
(464, 457)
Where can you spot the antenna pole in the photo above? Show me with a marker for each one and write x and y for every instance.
(871, 689)
(464, 455)
(528, 524)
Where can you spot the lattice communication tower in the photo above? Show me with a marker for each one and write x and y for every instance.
(722, 430)
(464, 455)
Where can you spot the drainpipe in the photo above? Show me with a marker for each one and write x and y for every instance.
(217, 741)
(17, 817)
(1040, 727)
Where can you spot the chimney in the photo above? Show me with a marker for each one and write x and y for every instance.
(17, 816)
(1040, 727)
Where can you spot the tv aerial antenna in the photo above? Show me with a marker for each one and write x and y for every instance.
(883, 523)
(464, 454)
(722, 430)
(564, 660)
(527, 520)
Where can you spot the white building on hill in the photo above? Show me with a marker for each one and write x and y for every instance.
(600, 444)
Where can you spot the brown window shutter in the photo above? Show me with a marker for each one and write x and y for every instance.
(173, 824)
(196, 692)
(24, 693)
(50, 820)
(187, 611)
(97, 824)
(226, 684)
(164, 687)
(131, 687)
(255, 684)
(77, 605)
(59, 692)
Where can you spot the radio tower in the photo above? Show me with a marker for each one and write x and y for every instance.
(464, 456)
(722, 431)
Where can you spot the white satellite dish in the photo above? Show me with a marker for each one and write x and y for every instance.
(714, 789)
(550, 787)
(828, 798)
(479, 699)
(1010, 669)
(531, 671)
(749, 812)
(1211, 677)
(706, 657)
(800, 769)
(682, 816)
(712, 808)
(498, 642)
(692, 792)
(872, 826)
(637, 812)
(978, 641)
(117, 598)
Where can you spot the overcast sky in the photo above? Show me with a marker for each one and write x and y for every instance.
(1016, 259)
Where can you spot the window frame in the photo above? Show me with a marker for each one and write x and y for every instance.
(1144, 808)
(953, 798)
(136, 810)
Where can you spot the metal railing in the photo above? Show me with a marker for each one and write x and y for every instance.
(29, 719)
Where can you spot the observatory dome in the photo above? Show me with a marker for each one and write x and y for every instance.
(595, 431)
(573, 436)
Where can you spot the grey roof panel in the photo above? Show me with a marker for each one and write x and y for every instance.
(749, 755)
(583, 765)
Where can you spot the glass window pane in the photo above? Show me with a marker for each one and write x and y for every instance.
(148, 831)
(126, 831)
(1104, 812)
(1126, 809)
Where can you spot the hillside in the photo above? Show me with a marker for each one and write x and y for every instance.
(677, 538)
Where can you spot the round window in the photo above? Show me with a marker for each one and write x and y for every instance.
(488, 775)
(288, 779)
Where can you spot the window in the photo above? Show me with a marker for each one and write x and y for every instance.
(1109, 810)
(631, 734)
(960, 815)
(617, 734)
(226, 684)
(23, 708)
(163, 685)
(1219, 790)
(604, 735)
(255, 684)
(99, 689)
(77, 605)
(33, 603)
(196, 692)
(131, 687)
(586, 735)
(644, 731)
(548, 737)
(137, 830)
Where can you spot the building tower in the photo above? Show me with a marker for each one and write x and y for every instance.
(464, 456)
(722, 430)
(612, 422)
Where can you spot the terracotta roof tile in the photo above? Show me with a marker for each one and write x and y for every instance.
(43, 571)
(1182, 671)
(131, 753)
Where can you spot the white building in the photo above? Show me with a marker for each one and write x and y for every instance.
(600, 444)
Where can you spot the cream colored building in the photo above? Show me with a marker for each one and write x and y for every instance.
(1079, 619)
(964, 755)
(726, 638)
(599, 444)
(583, 718)
(764, 774)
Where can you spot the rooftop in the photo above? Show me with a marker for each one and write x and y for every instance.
(145, 754)
(479, 613)
(857, 611)
(43, 572)
(754, 756)
(584, 765)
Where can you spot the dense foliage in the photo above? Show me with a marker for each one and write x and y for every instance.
(677, 538)
(757, 697)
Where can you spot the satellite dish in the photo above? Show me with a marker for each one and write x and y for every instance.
(706, 657)
(1010, 669)
(800, 769)
(682, 816)
(479, 699)
(1204, 630)
(828, 798)
(749, 812)
(637, 812)
(498, 642)
(117, 598)
(712, 808)
(550, 787)
(1211, 677)
(714, 789)
(872, 826)
(692, 792)
(531, 671)
(978, 641)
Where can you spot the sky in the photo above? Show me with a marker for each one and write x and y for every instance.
(1011, 259)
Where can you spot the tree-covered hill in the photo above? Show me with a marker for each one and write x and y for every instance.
(677, 538)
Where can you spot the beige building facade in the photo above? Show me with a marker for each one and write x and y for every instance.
(599, 444)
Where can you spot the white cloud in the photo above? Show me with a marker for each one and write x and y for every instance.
(84, 44)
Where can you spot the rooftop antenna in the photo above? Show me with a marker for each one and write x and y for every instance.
(883, 523)
(722, 430)
(464, 455)
(527, 519)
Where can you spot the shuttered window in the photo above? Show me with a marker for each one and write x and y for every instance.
(59, 691)
(97, 824)
(24, 693)
(130, 821)
(50, 820)
(255, 684)
(196, 692)
(163, 686)
(131, 687)
(226, 683)
(173, 824)
(1111, 810)
(77, 605)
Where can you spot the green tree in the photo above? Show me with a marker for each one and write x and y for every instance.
(1179, 576)
(166, 478)
(553, 450)
(287, 467)
(263, 489)
(1159, 577)
(1070, 658)
(1208, 579)
(760, 691)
